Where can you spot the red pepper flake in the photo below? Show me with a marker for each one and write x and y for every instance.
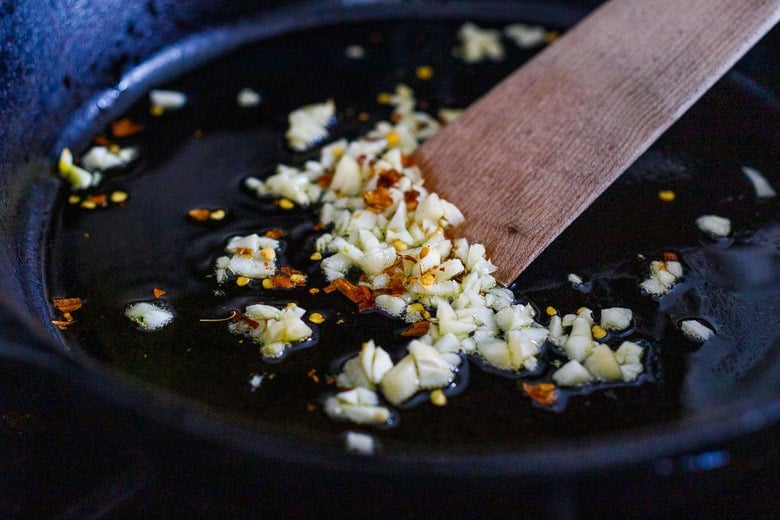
(410, 197)
(670, 257)
(98, 200)
(249, 322)
(125, 127)
(359, 294)
(543, 393)
(158, 292)
(407, 161)
(388, 178)
(323, 181)
(102, 140)
(416, 330)
(312, 374)
(199, 214)
(274, 233)
(67, 304)
(378, 200)
(311, 407)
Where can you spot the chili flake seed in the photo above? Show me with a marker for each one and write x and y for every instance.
(268, 253)
(551, 311)
(218, 214)
(364, 116)
(317, 318)
(118, 197)
(438, 398)
(298, 278)
(156, 110)
(598, 332)
(88, 204)
(285, 204)
(667, 195)
(551, 36)
(74, 199)
(314, 290)
(242, 281)
(424, 72)
(267, 283)
(384, 98)
(316, 256)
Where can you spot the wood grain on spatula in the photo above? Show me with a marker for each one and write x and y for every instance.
(532, 154)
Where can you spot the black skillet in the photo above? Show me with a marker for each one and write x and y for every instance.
(123, 451)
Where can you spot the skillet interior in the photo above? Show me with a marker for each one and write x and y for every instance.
(736, 86)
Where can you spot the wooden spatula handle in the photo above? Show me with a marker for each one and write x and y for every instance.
(533, 153)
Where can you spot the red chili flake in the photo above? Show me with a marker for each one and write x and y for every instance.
(416, 330)
(199, 214)
(410, 197)
(407, 161)
(543, 393)
(274, 233)
(378, 200)
(158, 292)
(252, 324)
(670, 257)
(311, 407)
(388, 178)
(323, 181)
(99, 200)
(312, 374)
(359, 294)
(395, 117)
(125, 127)
(102, 140)
(67, 304)
(244, 251)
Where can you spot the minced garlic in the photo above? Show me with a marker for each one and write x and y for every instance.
(272, 328)
(148, 316)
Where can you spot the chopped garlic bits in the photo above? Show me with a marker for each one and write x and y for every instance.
(526, 36)
(148, 316)
(663, 276)
(274, 329)
(590, 360)
(714, 225)
(761, 185)
(695, 330)
(76, 176)
(478, 44)
(102, 158)
(250, 256)
(308, 125)
(248, 98)
(167, 99)
(359, 405)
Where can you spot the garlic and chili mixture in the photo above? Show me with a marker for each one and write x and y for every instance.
(384, 247)
(387, 246)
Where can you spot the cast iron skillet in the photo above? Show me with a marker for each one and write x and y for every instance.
(132, 429)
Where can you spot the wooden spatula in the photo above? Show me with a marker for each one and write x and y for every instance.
(528, 157)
